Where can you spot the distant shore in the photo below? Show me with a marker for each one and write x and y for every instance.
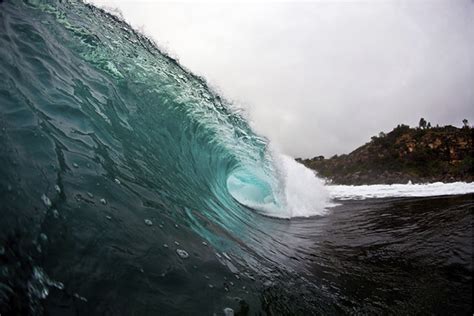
(421, 155)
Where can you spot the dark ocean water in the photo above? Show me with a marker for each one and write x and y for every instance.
(128, 187)
(389, 256)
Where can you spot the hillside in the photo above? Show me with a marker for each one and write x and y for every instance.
(405, 154)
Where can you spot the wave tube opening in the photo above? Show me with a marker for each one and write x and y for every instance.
(291, 190)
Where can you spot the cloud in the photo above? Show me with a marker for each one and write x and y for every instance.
(322, 77)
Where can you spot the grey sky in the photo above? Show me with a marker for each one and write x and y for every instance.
(321, 77)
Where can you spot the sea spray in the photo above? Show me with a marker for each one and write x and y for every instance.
(305, 194)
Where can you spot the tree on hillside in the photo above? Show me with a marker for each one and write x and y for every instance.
(422, 123)
(465, 122)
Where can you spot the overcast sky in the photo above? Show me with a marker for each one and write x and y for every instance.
(322, 77)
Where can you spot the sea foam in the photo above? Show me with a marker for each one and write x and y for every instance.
(361, 192)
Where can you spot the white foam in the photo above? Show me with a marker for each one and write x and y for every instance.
(305, 194)
(361, 192)
(300, 193)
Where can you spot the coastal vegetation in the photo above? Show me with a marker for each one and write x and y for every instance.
(422, 154)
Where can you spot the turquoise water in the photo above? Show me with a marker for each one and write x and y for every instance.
(101, 130)
(106, 104)
(129, 187)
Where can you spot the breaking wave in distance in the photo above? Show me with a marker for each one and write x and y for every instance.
(361, 192)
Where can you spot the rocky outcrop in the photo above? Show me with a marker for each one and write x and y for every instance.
(405, 154)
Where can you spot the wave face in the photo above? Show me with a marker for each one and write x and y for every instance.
(101, 130)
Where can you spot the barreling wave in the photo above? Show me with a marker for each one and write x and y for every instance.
(98, 123)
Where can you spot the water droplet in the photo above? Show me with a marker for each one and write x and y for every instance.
(165, 245)
(108, 217)
(57, 188)
(46, 200)
(182, 253)
(43, 237)
(231, 267)
(75, 165)
(9, 187)
(2, 250)
(58, 285)
(117, 181)
(204, 243)
(103, 201)
(80, 297)
(211, 286)
(55, 213)
(148, 222)
(228, 311)
(176, 243)
(90, 195)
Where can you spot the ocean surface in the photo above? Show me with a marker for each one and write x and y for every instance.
(129, 187)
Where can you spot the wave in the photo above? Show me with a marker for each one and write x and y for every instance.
(99, 125)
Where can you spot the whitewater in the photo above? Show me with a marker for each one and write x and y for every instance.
(360, 192)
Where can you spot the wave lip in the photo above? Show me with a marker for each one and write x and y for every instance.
(362, 192)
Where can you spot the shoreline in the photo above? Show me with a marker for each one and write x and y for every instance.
(407, 180)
